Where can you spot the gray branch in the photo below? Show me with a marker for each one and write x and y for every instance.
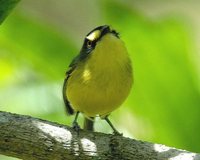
(30, 138)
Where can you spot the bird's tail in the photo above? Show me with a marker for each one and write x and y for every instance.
(89, 124)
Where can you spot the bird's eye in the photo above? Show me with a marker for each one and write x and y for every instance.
(89, 44)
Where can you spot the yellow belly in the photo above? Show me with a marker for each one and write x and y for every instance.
(99, 93)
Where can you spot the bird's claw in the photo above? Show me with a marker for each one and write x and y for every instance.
(76, 127)
(116, 133)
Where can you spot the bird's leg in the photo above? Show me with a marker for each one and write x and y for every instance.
(111, 125)
(89, 124)
(75, 124)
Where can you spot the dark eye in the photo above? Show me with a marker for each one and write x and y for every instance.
(89, 44)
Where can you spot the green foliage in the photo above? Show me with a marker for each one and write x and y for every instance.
(5, 7)
(42, 48)
(164, 103)
(34, 58)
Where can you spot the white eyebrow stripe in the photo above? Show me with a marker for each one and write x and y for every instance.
(94, 35)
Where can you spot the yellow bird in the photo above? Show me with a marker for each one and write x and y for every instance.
(99, 79)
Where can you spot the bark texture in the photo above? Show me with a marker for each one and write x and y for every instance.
(31, 138)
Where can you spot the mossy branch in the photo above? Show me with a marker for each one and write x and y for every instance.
(30, 138)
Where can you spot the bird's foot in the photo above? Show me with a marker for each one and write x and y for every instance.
(76, 127)
(116, 133)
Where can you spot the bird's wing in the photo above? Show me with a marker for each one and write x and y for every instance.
(72, 66)
(82, 56)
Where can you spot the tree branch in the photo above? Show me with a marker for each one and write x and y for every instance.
(31, 138)
(5, 7)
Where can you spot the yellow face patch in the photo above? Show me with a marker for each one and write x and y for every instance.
(94, 35)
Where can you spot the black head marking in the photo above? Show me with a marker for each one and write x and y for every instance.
(93, 37)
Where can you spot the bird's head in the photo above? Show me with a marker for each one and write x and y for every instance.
(101, 38)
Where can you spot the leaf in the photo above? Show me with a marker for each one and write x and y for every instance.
(5, 7)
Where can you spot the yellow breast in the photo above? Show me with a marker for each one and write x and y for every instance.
(101, 83)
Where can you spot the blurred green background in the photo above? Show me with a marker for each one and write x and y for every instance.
(39, 39)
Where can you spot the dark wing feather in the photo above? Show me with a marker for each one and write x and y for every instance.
(83, 55)
(72, 66)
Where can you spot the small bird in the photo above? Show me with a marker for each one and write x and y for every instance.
(99, 78)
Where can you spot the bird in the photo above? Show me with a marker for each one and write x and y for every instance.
(99, 78)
